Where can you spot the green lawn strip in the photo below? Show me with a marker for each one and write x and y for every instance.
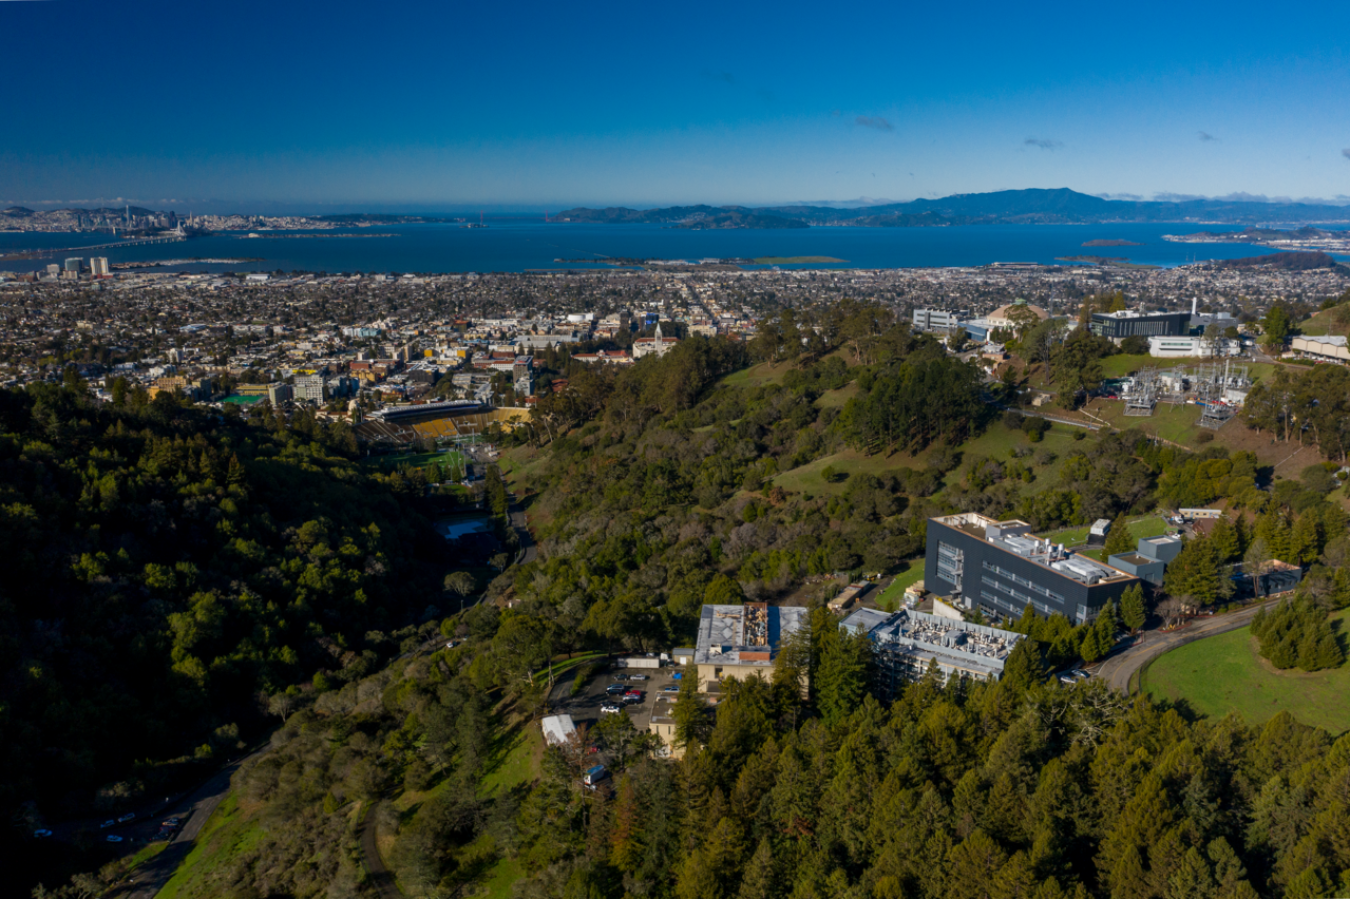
(502, 878)
(1221, 674)
(1152, 526)
(1177, 422)
(1069, 536)
(223, 835)
(1123, 364)
(808, 478)
(451, 459)
(889, 599)
(755, 375)
(145, 853)
(832, 399)
(513, 760)
(997, 442)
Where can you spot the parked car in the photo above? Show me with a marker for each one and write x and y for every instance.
(170, 822)
(42, 832)
(632, 696)
(621, 677)
(129, 816)
(671, 688)
(1080, 674)
(615, 689)
(637, 677)
(594, 775)
(1067, 679)
(610, 708)
(109, 823)
(113, 838)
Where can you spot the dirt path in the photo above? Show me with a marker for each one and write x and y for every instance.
(380, 878)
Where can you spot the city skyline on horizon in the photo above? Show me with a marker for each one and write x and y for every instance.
(425, 107)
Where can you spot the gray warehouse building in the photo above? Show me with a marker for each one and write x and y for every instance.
(1001, 567)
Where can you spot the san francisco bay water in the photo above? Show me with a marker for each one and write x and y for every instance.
(516, 245)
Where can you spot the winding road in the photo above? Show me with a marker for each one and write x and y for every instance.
(1119, 669)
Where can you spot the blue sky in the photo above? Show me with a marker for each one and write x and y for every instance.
(417, 104)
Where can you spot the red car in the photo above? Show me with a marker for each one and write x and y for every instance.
(633, 696)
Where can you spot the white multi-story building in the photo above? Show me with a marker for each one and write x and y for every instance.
(1191, 347)
(311, 387)
(934, 320)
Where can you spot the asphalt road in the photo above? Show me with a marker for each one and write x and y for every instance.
(150, 877)
(1118, 669)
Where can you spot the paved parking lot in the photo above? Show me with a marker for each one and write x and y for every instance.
(585, 706)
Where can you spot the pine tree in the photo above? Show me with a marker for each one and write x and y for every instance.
(1328, 654)
(1226, 540)
(1305, 544)
(1243, 534)
(1022, 668)
(843, 676)
(1128, 879)
(1193, 879)
(1282, 541)
(1283, 655)
(1311, 884)
(1340, 591)
(1118, 539)
(760, 878)
(1132, 611)
(1090, 650)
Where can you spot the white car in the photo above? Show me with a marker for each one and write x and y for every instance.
(113, 838)
(637, 677)
(610, 708)
(106, 824)
(41, 833)
(129, 816)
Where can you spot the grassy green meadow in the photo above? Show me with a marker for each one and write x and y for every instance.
(1223, 674)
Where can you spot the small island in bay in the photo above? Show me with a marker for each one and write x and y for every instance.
(1114, 261)
(796, 260)
(1112, 243)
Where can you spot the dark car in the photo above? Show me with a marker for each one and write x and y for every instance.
(615, 689)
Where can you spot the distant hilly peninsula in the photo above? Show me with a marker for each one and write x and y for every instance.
(1036, 206)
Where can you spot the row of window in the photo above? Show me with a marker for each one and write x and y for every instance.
(1010, 608)
(1018, 579)
(1018, 595)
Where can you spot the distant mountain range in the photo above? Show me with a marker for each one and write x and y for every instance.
(1036, 206)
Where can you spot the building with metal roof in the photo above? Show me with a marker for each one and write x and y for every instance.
(1001, 567)
(741, 641)
(906, 643)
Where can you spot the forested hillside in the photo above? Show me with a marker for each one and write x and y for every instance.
(688, 479)
(168, 572)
